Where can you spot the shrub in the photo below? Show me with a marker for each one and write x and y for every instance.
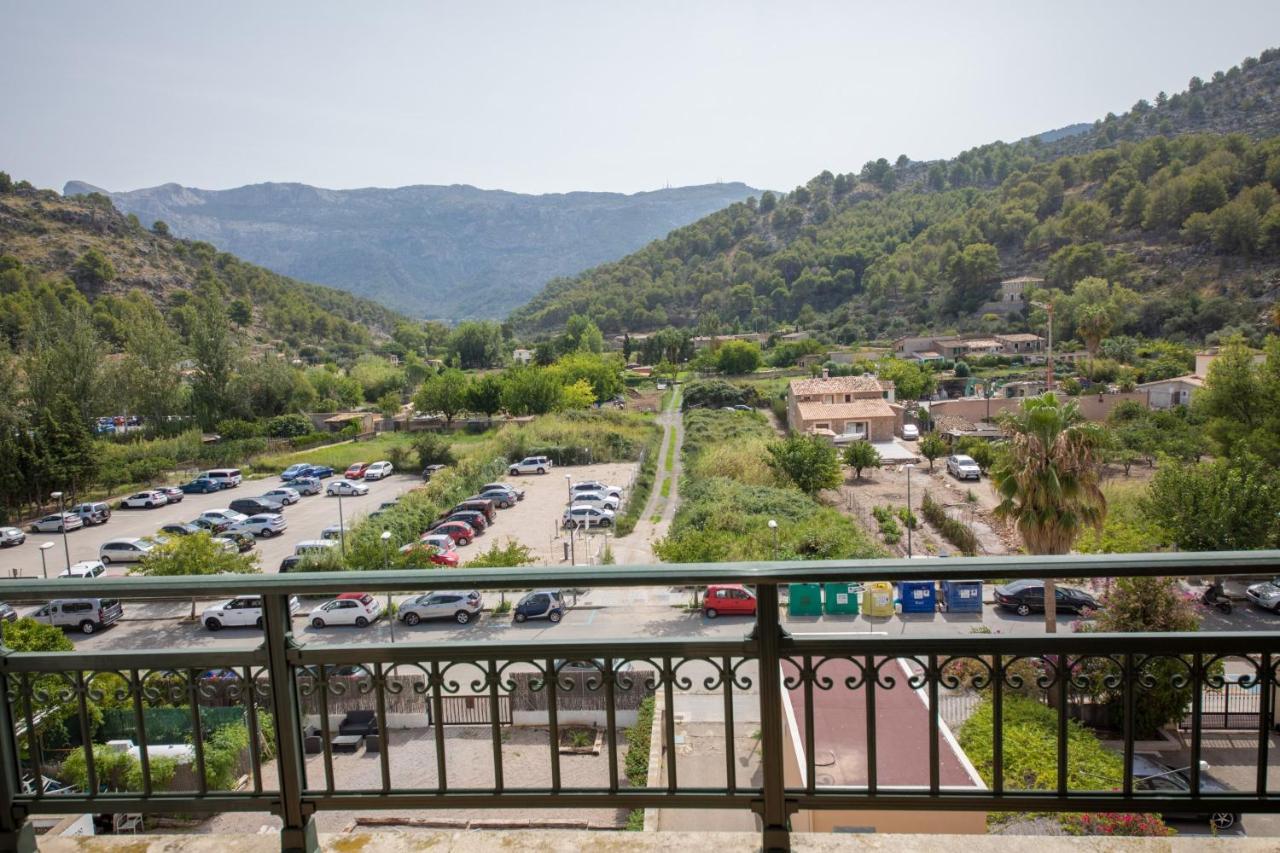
(288, 426)
(639, 738)
(956, 532)
(806, 460)
(234, 429)
(433, 449)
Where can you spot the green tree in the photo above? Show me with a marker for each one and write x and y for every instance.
(738, 357)
(602, 372)
(577, 395)
(93, 269)
(1047, 479)
(581, 335)
(68, 456)
(972, 275)
(194, 554)
(433, 449)
(160, 227)
(932, 447)
(1215, 506)
(485, 395)
(214, 349)
(1240, 401)
(476, 345)
(862, 454)
(1095, 307)
(806, 460)
(150, 381)
(911, 381)
(446, 392)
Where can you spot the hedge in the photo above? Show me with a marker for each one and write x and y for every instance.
(956, 532)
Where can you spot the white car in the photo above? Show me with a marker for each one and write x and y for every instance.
(530, 465)
(587, 516)
(910, 432)
(595, 499)
(334, 532)
(378, 470)
(349, 608)
(145, 500)
(227, 544)
(440, 541)
(129, 550)
(84, 570)
(223, 515)
(57, 522)
(264, 525)
(963, 467)
(242, 612)
(587, 486)
(345, 488)
(284, 496)
(10, 536)
(1266, 594)
(314, 547)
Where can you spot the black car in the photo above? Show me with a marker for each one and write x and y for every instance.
(1027, 596)
(1151, 775)
(255, 506)
(290, 562)
(541, 604)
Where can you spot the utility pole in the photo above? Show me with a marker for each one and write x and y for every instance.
(1048, 381)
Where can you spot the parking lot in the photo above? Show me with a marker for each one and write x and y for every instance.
(306, 519)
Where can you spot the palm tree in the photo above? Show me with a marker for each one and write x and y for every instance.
(1047, 479)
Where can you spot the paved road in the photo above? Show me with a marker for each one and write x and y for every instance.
(306, 519)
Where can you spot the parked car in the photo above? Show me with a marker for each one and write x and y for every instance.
(314, 547)
(243, 539)
(173, 493)
(145, 500)
(596, 499)
(290, 563)
(530, 465)
(442, 541)
(242, 612)
(285, 496)
(228, 478)
(459, 606)
(355, 471)
(461, 532)
(476, 519)
(502, 498)
(11, 536)
(264, 524)
(1152, 775)
(84, 570)
(212, 526)
(346, 488)
(200, 486)
(254, 506)
(541, 604)
(305, 486)
(731, 599)
(480, 505)
(581, 515)
(230, 542)
(1026, 596)
(124, 550)
(57, 523)
(378, 470)
(334, 532)
(317, 472)
(180, 529)
(228, 515)
(1266, 594)
(515, 490)
(963, 467)
(94, 512)
(910, 432)
(588, 486)
(87, 614)
(438, 556)
(7, 613)
(349, 608)
(295, 470)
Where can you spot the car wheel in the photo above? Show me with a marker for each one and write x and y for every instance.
(462, 616)
(317, 622)
(258, 623)
(1222, 820)
(106, 561)
(464, 541)
(604, 522)
(542, 470)
(412, 619)
(712, 613)
(555, 615)
(520, 617)
(1023, 610)
(212, 624)
(514, 472)
(361, 622)
(88, 627)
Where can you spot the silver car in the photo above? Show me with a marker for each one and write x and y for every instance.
(10, 536)
(460, 606)
(963, 467)
(1266, 594)
(285, 495)
(57, 522)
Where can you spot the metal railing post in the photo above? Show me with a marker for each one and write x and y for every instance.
(297, 826)
(768, 636)
(16, 833)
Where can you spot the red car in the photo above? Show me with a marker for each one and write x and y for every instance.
(461, 532)
(356, 471)
(448, 559)
(729, 599)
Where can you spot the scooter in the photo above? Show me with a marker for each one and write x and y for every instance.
(1214, 596)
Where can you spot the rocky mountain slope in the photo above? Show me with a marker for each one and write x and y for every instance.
(440, 252)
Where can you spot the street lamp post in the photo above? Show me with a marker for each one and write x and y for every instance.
(909, 466)
(44, 570)
(391, 617)
(342, 529)
(568, 485)
(62, 522)
(773, 525)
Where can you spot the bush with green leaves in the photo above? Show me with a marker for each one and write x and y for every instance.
(639, 738)
(433, 449)
(234, 429)
(953, 530)
(860, 455)
(288, 426)
(809, 461)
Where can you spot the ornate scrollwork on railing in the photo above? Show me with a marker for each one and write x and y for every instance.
(626, 678)
(1181, 675)
(1046, 670)
(166, 685)
(951, 677)
(1214, 672)
(1088, 672)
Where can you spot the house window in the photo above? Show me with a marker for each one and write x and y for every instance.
(824, 425)
(856, 428)
(848, 398)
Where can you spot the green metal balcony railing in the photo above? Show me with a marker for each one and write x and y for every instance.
(291, 682)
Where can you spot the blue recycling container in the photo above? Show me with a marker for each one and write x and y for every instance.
(918, 596)
(962, 596)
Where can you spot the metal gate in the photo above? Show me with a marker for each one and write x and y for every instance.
(471, 710)
(1233, 706)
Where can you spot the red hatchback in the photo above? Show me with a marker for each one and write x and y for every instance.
(728, 599)
(461, 532)
(356, 471)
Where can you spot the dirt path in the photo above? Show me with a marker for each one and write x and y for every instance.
(637, 547)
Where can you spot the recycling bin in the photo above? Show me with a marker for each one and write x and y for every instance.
(841, 598)
(804, 599)
(877, 599)
(918, 596)
(962, 596)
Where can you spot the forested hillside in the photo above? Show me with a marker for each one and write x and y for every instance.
(83, 247)
(1188, 220)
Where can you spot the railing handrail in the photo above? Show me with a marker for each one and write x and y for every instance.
(688, 574)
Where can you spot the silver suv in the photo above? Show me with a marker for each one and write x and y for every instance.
(87, 614)
(530, 465)
(460, 606)
(95, 512)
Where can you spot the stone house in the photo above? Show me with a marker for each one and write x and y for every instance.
(842, 408)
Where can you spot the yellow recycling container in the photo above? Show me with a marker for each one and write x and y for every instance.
(877, 599)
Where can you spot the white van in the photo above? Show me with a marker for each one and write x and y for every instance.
(227, 478)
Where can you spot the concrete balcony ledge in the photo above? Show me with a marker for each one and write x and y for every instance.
(569, 841)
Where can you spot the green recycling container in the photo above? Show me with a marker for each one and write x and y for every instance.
(804, 599)
(841, 598)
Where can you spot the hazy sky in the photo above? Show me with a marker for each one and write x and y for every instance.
(558, 96)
